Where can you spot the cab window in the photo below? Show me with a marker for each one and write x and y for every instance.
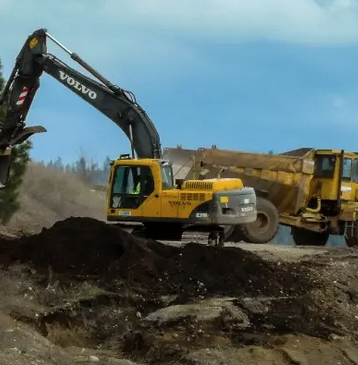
(324, 166)
(347, 169)
(167, 177)
(355, 175)
(125, 179)
(133, 180)
(131, 186)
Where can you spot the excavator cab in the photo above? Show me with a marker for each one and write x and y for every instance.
(133, 181)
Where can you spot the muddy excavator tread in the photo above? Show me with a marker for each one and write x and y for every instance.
(187, 236)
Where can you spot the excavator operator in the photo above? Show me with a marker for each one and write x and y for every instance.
(136, 188)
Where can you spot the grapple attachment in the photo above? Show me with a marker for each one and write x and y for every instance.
(6, 143)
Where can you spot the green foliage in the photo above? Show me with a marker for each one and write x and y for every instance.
(2, 81)
(2, 84)
(9, 196)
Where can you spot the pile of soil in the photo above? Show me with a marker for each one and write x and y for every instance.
(85, 246)
(232, 271)
(74, 246)
(260, 300)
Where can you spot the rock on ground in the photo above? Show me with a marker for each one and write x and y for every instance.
(86, 292)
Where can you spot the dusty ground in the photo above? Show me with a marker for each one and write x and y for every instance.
(48, 196)
(83, 292)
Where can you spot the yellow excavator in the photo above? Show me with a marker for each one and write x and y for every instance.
(141, 186)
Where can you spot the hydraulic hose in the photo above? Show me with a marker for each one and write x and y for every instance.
(317, 209)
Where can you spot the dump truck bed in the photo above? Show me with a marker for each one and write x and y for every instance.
(284, 178)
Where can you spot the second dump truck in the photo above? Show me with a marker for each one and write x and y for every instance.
(313, 191)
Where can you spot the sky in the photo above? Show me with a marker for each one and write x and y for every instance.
(250, 75)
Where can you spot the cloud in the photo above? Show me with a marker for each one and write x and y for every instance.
(155, 47)
(118, 46)
(141, 34)
(297, 21)
(109, 23)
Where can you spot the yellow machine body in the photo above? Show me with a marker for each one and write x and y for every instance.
(314, 189)
(160, 200)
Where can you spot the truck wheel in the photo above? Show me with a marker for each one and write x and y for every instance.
(265, 228)
(352, 239)
(304, 237)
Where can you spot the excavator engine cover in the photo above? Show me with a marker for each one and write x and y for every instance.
(231, 207)
(231, 203)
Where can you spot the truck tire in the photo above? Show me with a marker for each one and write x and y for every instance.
(352, 236)
(304, 237)
(351, 241)
(265, 228)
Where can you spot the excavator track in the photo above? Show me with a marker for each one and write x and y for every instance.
(188, 235)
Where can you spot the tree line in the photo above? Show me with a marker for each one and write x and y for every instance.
(88, 171)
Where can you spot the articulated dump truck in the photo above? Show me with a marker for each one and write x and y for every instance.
(313, 191)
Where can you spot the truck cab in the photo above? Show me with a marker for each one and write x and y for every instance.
(335, 176)
(335, 183)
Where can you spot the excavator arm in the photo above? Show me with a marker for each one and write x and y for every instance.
(117, 104)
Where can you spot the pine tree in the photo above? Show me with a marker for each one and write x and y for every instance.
(2, 81)
(2, 84)
(58, 165)
(9, 196)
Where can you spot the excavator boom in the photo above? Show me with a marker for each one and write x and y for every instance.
(117, 104)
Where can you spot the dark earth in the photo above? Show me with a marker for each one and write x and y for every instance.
(99, 294)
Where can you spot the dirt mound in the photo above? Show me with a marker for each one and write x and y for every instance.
(232, 271)
(75, 245)
(48, 195)
(157, 303)
(85, 246)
